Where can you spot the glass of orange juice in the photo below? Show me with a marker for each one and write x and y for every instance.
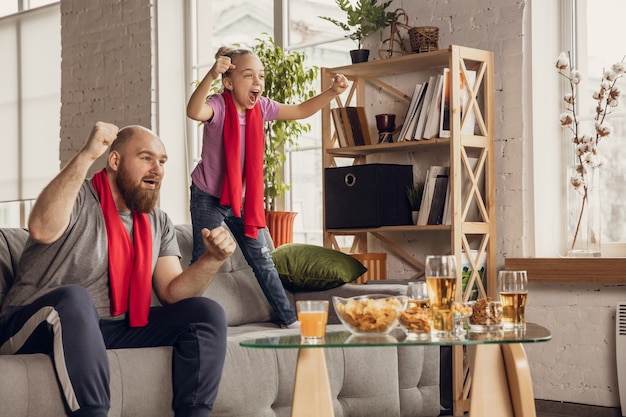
(313, 316)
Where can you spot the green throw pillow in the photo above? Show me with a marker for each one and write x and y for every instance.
(305, 267)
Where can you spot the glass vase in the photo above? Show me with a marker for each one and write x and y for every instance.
(584, 216)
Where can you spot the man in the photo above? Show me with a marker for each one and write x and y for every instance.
(96, 250)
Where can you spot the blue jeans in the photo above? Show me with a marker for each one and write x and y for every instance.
(207, 212)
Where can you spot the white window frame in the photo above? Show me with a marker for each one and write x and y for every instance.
(547, 198)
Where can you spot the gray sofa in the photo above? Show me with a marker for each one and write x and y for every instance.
(377, 381)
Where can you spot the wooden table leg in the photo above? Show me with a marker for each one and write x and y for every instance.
(520, 382)
(311, 391)
(501, 383)
(489, 395)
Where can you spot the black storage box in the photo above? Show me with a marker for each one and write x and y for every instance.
(369, 195)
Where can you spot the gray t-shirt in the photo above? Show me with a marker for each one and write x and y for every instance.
(80, 255)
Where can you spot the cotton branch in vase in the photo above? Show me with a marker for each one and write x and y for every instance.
(607, 99)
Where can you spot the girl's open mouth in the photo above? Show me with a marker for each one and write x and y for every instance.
(254, 95)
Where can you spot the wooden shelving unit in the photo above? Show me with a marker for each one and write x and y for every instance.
(464, 235)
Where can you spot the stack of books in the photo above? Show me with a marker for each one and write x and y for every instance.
(435, 198)
(427, 117)
(351, 126)
(435, 207)
(428, 114)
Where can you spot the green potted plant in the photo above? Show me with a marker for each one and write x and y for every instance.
(363, 18)
(288, 81)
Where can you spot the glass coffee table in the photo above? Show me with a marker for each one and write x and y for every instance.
(501, 383)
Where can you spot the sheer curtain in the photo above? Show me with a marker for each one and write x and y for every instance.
(30, 86)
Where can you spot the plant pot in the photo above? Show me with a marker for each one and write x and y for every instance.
(359, 55)
(280, 225)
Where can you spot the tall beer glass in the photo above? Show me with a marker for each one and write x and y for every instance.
(441, 281)
(513, 291)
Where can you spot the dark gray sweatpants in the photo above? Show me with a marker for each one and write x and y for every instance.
(64, 322)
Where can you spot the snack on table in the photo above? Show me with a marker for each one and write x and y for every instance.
(416, 319)
(486, 313)
(370, 314)
(462, 309)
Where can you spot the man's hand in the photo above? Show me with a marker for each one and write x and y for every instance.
(218, 242)
(172, 284)
(52, 211)
(101, 137)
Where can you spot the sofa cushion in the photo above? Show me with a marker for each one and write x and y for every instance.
(12, 241)
(305, 267)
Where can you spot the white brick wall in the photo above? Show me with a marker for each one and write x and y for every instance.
(106, 67)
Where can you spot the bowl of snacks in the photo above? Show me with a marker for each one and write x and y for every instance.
(486, 315)
(373, 314)
(416, 321)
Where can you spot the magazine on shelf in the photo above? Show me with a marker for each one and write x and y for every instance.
(410, 112)
(426, 103)
(429, 189)
(437, 205)
(340, 129)
(431, 129)
(351, 126)
(410, 133)
(470, 118)
(357, 122)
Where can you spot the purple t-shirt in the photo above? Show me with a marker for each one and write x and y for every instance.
(208, 175)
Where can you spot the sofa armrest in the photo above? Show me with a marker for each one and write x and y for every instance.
(348, 290)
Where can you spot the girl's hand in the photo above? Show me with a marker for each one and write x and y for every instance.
(222, 64)
(340, 84)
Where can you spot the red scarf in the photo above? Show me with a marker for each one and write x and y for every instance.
(253, 208)
(130, 261)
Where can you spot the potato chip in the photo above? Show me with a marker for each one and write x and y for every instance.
(370, 315)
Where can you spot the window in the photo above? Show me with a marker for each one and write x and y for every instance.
(30, 88)
(8, 7)
(596, 47)
(225, 23)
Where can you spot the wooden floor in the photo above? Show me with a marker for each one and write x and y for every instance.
(589, 414)
(559, 409)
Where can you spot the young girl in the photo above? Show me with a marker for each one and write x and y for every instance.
(227, 183)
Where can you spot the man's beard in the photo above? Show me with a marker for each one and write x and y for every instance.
(136, 198)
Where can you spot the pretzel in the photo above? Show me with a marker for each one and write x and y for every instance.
(486, 313)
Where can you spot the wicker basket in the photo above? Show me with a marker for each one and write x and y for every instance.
(424, 38)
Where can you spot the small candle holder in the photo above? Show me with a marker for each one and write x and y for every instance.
(386, 124)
